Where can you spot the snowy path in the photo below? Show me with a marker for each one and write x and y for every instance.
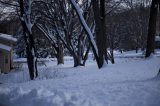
(130, 82)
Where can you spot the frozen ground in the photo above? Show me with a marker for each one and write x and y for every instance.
(129, 82)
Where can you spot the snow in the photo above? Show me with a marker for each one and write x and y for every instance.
(157, 38)
(5, 47)
(129, 82)
(23, 60)
(6, 11)
(38, 98)
(8, 37)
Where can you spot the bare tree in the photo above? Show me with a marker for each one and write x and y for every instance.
(88, 32)
(60, 22)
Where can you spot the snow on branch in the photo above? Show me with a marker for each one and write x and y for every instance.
(28, 15)
(83, 22)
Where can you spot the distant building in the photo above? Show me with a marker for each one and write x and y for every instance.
(6, 52)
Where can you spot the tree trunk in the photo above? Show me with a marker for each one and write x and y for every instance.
(111, 48)
(86, 56)
(112, 56)
(28, 37)
(152, 28)
(60, 54)
(79, 56)
(76, 61)
(136, 49)
(158, 20)
(99, 15)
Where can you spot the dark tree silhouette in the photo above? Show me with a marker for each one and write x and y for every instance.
(152, 28)
(99, 16)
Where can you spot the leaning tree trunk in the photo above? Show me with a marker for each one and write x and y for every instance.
(28, 37)
(86, 29)
(152, 28)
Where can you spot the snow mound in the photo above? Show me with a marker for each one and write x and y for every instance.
(42, 97)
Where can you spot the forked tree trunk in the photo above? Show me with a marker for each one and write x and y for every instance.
(87, 30)
(99, 50)
(28, 37)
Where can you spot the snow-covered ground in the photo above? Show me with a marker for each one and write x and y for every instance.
(128, 82)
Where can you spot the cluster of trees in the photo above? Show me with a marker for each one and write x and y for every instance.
(75, 27)
(127, 29)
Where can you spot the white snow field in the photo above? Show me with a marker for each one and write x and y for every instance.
(128, 82)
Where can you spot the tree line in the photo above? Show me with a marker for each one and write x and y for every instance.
(76, 27)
